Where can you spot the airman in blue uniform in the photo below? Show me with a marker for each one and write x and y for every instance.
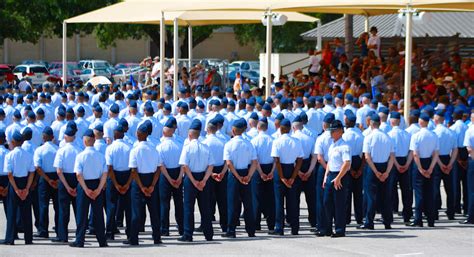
(197, 162)
(91, 171)
(469, 144)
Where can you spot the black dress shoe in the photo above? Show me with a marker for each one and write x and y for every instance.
(120, 225)
(110, 237)
(251, 234)
(198, 229)
(157, 242)
(294, 233)
(451, 218)
(103, 245)
(58, 240)
(415, 224)
(276, 233)
(209, 239)
(335, 235)
(365, 227)
(321, 234)
(3, 242)
(74, 244)
(388, 226)
(185, 239)
(41, 235)
(313, 230)
(431, 225)
(466, 222)
(116, 231)
(165, 233)
(90, 232)
(29, 243)
(228, 235)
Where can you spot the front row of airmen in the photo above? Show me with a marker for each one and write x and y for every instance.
(263, 174)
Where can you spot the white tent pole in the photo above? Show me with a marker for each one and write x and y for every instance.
(64, 52)
(190, 46)
(319, 43)
(269, 54)
(175, 59)
(408, 52)
(162, 54)
(366, 23)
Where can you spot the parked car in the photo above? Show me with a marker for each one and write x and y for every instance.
(39, 62)
(36, 72)
(56, 75)
(126, 65)
(74, 66)
(138, 73)
(89, 73)
(252, 65)
(96, 64)
(6, 73)
(252, 75)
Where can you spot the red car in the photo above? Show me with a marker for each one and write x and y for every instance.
(6, 71)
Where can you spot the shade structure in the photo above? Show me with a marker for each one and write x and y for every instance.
(155, 12)
(99, 80)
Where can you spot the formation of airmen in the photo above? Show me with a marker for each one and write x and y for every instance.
(126, 151)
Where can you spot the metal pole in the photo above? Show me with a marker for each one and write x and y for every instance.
(366, 23)
(408, 51)
(175, 58)
(190, 46)
(78, 47)
(319, 43)
(5, 51)
(162, 54)
(64, 52)
(269, 55)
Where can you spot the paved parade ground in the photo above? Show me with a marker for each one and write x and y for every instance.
(448, 238)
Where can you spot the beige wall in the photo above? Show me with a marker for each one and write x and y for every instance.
(221, 44)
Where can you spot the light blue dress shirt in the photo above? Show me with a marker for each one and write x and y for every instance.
(216, 147)
(90, 163)
(287, 148)
(240, 151)
(425, 142)
(170, 151)
(354, 139)
(460, 129)
(322, 145)
(145, 158)
(196, 156)
(117, 154)
(263, 147)
(109, 127)
(184, 122)
(66, 156)
(401, 141)
(307, 143)
(447, 139)
(339, 153)
(379, 145)
(3, 153)
(44, 157)
(19, 163)
(469, 138)
(100, 145)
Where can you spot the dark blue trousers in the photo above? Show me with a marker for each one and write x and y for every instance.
(139, 202)
(263, 198)
(354, 189)
(283, 193)
(320, 213)
(4, 184)
(448, 182)
(97, 205)
(470, 178)
(46, 193)
(113, 197)
(309, 189)
(166, 192)
(461, 185)
(19, 208)
(238, 194)
(65, 200)
(424, 197)
(191, 194)
(404, 180)
(34, 203)
(377, 189)
(335, 204)
(218, 191)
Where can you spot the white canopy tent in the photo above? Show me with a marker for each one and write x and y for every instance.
(146, 13)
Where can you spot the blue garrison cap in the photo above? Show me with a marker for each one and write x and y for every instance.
(99, 128)
(253, 116)
(263, 119)
(169, 122)
(242, 101)
(143, 128)
(375, 117)
(220, 118)
(2, 133)
(232, 103)
(458, 110)
(214, 122)
(395, 115)
(279, 96)
(329, 118)
(351, 116)
(349, 97)
(298, 119)
(123, 122)
(120, 129)
(267, 107)
(304, 117)
(269, 100)
(81, 110)
(340, 96)
(335, 125)
(240, 123)
(167, 106)
(27, 132)
(114, 108)
(184, 106)
(415, 113)
(215, 102)
(48, 131)
(260, 101)
(70, 110)
(71, 124)
(88, 133)
(440, 113)
(149, 108)
(279, 117)
(394, 102)
(374, 101)
(133, 104)
(229, 90)
(312, 99)
(40, 111)
(225, 101)
(61, 112)
(98, 108)
(285, 123)
(2, 112)
(428, 109)
(328, 97)
(31, 115)
(299, 101)
(215, 88)
(424, 116)
(196, 125)
(319, 99)
(384, 110)
(17, 136)
(251, 101)
(201, 105)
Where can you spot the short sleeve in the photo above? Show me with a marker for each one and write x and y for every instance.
(254, 152)
(58, 160)
(227, 155)
(275, 150)
(132, 161)
(104, 166)
(366, 145)
(108, 156)
(7, 167)
(31, 166)
(159, 161)
(469, 139)
(210, 161)
(37, 158)
(78, 166)
(346, 153)
(183, 158)
(413, 144)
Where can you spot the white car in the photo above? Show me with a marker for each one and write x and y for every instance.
(95, 64)
(36, 72)
(89, 73)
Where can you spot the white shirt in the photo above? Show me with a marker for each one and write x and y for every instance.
(170, 151)
(196, 156)
(287, 148)
(19, 163)
(144, 158)
(339, 153)
(90, 163)
(425, 142)
(117, 154)
(44, 157)
(65, 157)
(216, 147)
(3, 153)
(240, 151)
(263, 146)
(378, 145)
